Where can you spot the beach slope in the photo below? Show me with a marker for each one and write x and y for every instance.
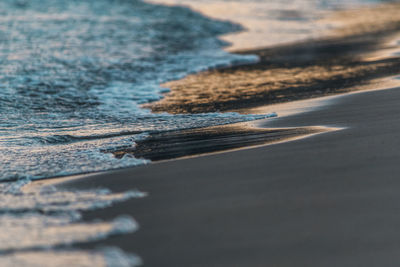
(327, 200)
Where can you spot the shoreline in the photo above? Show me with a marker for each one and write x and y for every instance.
(338, 63)
(274, 191)
(306, 202)
(236, 198)
(267, 135)
(219, 139)
(299, 56)
(346, 57)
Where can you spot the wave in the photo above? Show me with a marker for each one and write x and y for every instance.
(74, 75)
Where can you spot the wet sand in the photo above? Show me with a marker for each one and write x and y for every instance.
(348, 56)
(327, 200)
(180, 144)
(330, 199)
(360, 54)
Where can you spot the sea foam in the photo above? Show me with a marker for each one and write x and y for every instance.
(75, 73)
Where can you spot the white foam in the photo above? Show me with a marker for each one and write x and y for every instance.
(44, 217)
(107, 257)
(76, 73)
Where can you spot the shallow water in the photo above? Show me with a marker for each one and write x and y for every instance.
(38, 222)
(73, 75)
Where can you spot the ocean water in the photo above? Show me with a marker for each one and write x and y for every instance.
(74, 73)
(73, 76)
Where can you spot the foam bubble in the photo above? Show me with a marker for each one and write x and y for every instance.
(44, 217)
(106, 257)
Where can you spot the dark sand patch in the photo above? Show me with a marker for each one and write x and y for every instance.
(334, 64)
(178, 144)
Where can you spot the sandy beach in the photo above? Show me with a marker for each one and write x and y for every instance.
(291, 160)
(317, 187)
(327, 200)
(343, 59)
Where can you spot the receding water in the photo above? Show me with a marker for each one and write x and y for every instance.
(34, 220)
(73, 75)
